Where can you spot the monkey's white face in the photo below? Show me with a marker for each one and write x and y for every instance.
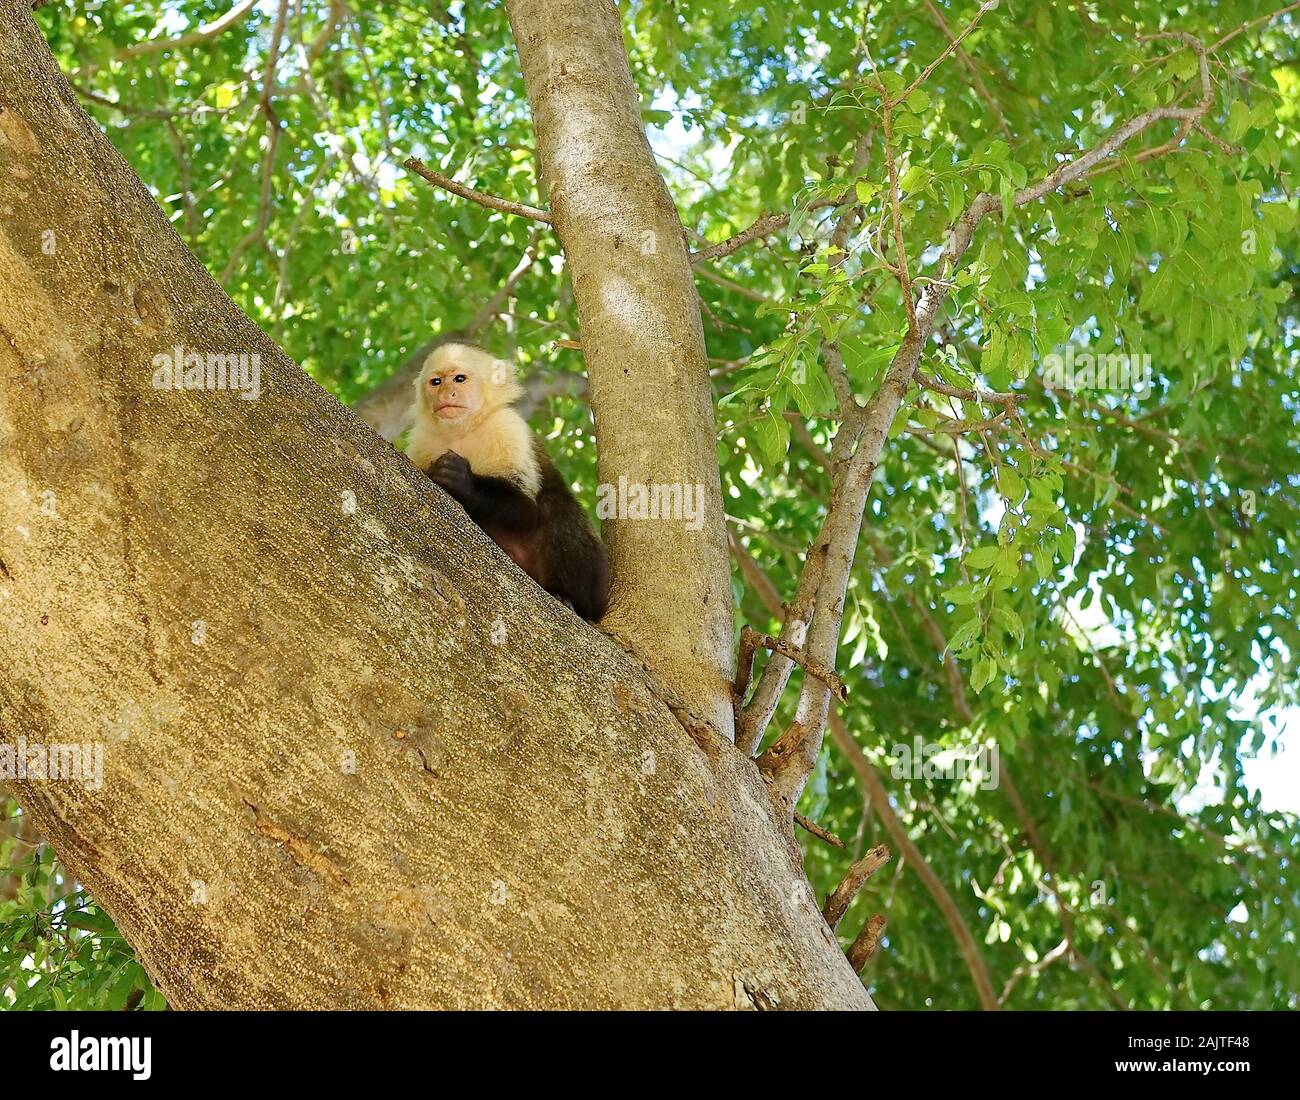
(453, 394)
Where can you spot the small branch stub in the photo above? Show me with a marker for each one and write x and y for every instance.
(865, 945)
(811, 826)
(842, 896)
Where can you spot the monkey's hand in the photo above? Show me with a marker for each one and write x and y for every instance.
(452, 472)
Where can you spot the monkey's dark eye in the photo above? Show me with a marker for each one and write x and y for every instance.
(459, 378)
(435, 381)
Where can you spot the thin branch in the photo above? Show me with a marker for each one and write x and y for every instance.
(817, 831)
(1064, 913)
(193, 38)
(272, 125)
(127, 108)
(332, 20)
(977, 395)
(953, 45)
(952, 671)
(865, 945)
(789, 761)
(489, 309)
(753, 720)
(364, 54)
(1253, 23)
(981, 89)
(304, 207)
(751, 639)
(713, 277)
(839, 900)
(878, 799)
(504, 206)
(766, 224)
(1027, 969)
(801, 433)
(959, 427)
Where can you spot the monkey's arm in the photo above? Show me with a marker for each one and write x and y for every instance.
(490, 501)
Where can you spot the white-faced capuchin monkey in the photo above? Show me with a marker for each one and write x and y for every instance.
(470, 440)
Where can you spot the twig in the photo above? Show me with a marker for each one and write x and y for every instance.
(505, 206)
(272, 126)
(975, 395)
(1253, 23)
(194, 37)
(865, 945)
(355, 31)
(737, 288)
(954, 44)
(489, 309)
(839, 900)
(1064, 914)
(959, 427)
(817, 831)
(767, 223)
(1025, 970)
(981, 89)
(751, 639)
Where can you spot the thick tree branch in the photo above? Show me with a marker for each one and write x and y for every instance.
(308, 901)
(643, 346)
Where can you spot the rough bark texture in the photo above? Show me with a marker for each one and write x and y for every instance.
(642, 341)
(353, 758)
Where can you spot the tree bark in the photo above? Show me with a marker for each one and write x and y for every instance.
(642, 341)
(353, 758)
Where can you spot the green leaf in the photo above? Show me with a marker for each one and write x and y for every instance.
(1010, 484)
(983, 557)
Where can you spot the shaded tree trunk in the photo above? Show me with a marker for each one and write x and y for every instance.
(352, 756)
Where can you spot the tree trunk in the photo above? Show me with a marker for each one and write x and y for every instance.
(352, 757)
(642, 342)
